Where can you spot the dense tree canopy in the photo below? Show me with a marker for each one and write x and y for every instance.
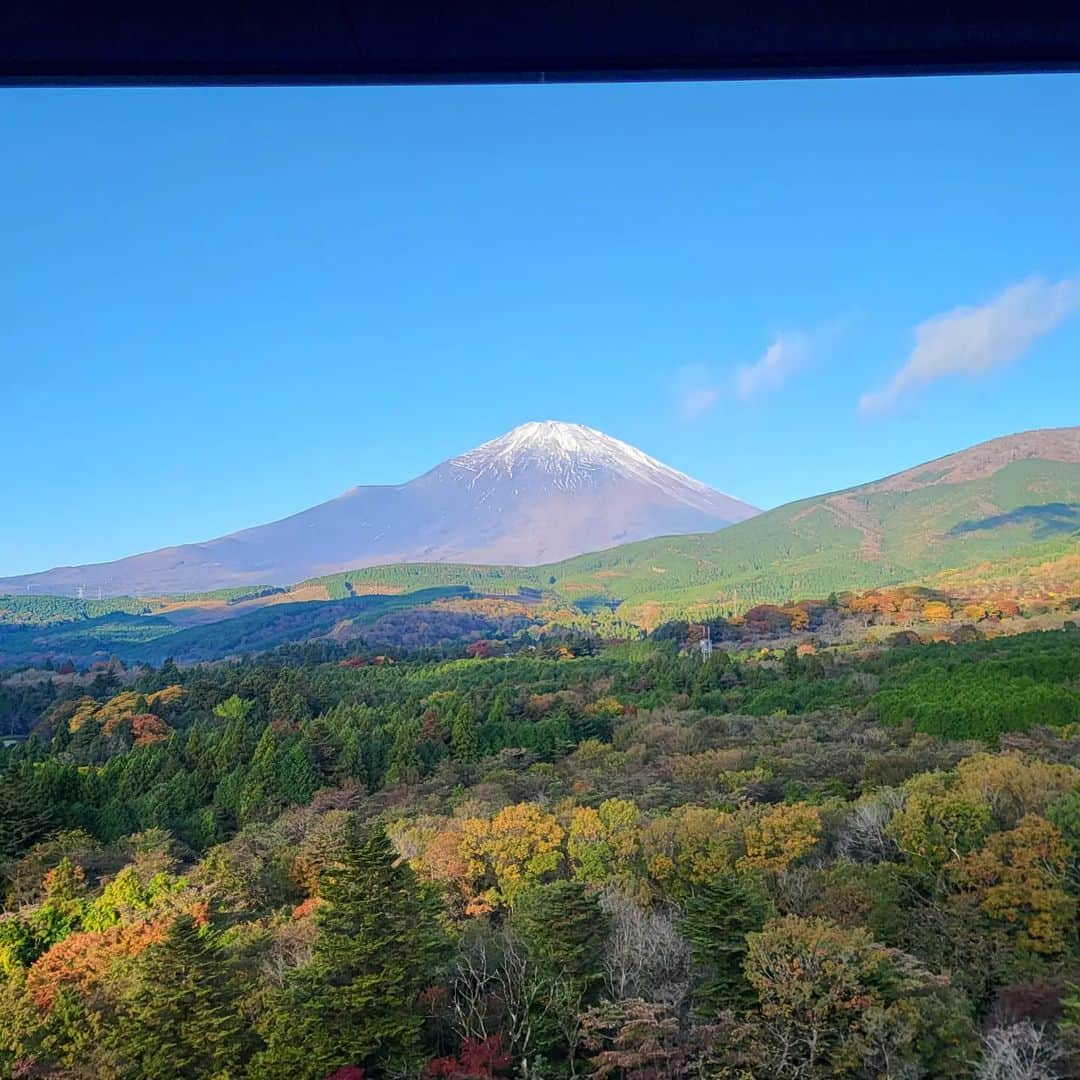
(617, 861)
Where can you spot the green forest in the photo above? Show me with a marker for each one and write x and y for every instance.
(578, 860)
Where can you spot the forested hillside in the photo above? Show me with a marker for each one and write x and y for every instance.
(620, 861)
(1001, 514)
(153, 638)
(884, 533)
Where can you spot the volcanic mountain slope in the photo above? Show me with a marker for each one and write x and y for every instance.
(544, 491)
(1016, 497)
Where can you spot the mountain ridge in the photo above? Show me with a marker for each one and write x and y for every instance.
(985, 502)
(1046, 444)
(545, 490)
(1010, 527)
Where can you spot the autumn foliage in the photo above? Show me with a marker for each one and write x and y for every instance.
(478, 1059)
(82, 959)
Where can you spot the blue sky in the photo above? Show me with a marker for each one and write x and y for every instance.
(218, 307)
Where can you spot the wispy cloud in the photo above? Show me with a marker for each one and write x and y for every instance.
(973, 340)
(700, 388)
(785, 356)
(698, 391)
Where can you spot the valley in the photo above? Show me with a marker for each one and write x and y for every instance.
(644, 811)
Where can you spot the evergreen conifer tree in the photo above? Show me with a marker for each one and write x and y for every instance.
(24, 816)
(463, 735)
(715, 922)
(181, 1019)
(499, 712)
(379, 943)
(564, 929)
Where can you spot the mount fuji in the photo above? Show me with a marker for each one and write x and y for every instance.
(542, 492)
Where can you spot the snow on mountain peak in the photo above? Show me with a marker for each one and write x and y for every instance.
(571, 456)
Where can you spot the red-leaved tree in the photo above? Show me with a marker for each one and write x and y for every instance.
(478, 1059)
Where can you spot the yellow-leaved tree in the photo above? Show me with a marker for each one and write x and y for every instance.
(1018, 878)
(521, 845)
(781, 835)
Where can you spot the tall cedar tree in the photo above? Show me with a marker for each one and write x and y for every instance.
(564, 929)
(715, 922)
(181, 1019)
(24, 816)
(379, 943)
(463, 734)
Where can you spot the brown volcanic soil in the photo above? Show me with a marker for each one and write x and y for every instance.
(1053, 444)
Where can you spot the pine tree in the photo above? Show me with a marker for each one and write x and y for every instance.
(195, 746)
(405, 756)
(379, 943)
(296, 779)
(715, 922)
(236, 743)
(259, 799)
(181, 1020)
(321, 743)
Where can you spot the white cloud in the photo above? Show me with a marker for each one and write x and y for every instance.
(778, 363)
(972, 340)
(698, 392)
(700, 389)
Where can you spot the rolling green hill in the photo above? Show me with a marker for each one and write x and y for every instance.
(1000, 511)
(279, 624)
(153, 638)
(1019, 495)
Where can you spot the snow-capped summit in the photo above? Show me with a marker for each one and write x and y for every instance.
(551, 442)
(574, 456)
(540, 493)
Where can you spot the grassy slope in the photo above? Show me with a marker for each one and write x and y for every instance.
(802, 549)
